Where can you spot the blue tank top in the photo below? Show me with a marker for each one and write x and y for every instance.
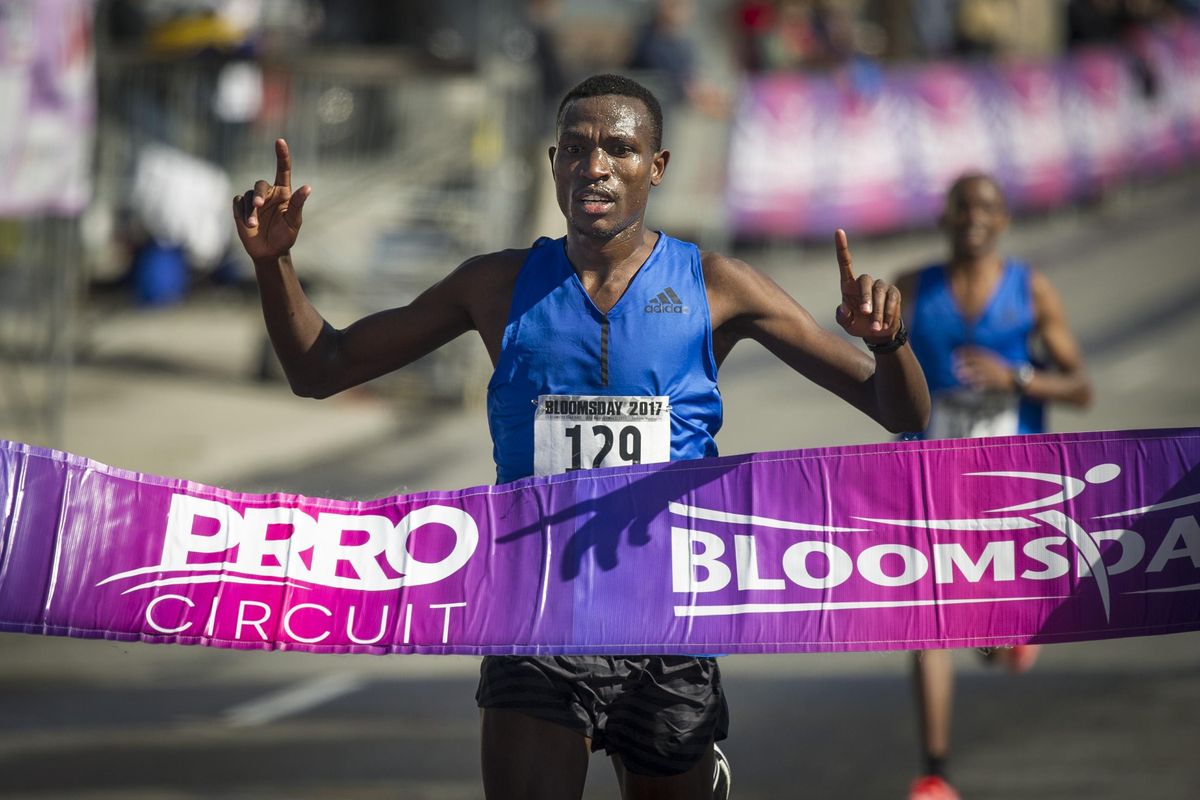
(1005, 327)
(656, 340)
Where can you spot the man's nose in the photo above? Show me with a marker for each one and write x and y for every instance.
(597, 163)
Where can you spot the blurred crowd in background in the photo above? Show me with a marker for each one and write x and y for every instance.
(423, 127)
(199, 85)
(768, 34)
(804, 34)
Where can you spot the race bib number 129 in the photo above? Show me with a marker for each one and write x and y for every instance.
(572, 432)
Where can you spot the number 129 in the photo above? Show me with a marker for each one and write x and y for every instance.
(628, 442)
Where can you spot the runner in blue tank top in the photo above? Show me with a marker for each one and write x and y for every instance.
(992, 337)
(655, 341)
(606, 346)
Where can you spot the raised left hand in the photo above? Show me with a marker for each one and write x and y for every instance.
(870, 308)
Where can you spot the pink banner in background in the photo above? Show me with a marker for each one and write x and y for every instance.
(48, 93)
(958, 543)
(811, 152)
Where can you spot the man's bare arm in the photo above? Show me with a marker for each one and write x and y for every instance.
(318, 359)
(888, 387)
(1070, 384)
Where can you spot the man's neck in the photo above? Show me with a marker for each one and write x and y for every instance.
(979, 266)
(623, 253)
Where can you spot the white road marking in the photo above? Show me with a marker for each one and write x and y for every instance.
(293, 700)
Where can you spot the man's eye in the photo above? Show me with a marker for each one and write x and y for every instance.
(573, 149)
(621, 150)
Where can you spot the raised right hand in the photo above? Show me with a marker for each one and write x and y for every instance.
(268, 216)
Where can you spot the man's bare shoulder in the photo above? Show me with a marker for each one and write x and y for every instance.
(489, 275)
(498, 266)
(1039, 283)
(1046, 298)
(739, 293)
(725, 273)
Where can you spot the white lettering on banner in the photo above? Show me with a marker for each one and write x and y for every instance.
(1132, 546)
(154, 604)
(795, 565)
(685, 560)
(801, 570)
(1054, 565)
(181, 541)
(1184, 529)
(254, 551)
(268, 543)
(291, 612)
(382, 626)
(447, 607)
(332, 530)
(747, 566)
(870, 564)
(1000, 555)
(699, 561)
(308, 623)
(255, 623)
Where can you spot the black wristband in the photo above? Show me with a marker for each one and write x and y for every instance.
(895, 344)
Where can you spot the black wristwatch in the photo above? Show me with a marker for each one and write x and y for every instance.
(895, 344)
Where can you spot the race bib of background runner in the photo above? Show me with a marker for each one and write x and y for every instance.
(964, 414)
(573, 432)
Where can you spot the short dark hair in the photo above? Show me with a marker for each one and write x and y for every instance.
(600, 85)
(969, 176)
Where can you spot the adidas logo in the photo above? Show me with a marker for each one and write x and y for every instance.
(667, 302)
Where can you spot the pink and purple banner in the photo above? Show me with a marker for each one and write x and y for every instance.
(48, 96)
(876, 150)
(957, 543)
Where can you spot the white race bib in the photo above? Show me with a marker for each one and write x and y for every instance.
(572, 432)
(962, 413)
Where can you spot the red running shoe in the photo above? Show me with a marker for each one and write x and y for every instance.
(931, 787)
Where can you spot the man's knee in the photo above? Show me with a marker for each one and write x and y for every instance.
(695, 783)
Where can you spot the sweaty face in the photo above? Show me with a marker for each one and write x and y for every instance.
(975, 217)
(604, 164)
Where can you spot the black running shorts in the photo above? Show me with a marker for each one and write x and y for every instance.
(658, 713)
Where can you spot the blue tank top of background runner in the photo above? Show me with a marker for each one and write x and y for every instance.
(656, 340)
(1005, 327)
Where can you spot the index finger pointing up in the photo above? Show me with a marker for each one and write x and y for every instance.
(283, 164)
(845, 263)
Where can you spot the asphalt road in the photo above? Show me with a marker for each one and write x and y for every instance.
(1116, 719)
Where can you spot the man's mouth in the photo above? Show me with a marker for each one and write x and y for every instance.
(595, 201)
(974, 233)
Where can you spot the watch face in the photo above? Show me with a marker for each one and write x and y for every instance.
(1023, 376)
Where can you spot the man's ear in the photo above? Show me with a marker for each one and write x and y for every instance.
(659, 166)
(553, 150)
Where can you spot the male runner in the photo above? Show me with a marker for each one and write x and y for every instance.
(978, 324)
(610, 309)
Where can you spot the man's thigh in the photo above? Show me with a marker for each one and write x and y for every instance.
(527, 757)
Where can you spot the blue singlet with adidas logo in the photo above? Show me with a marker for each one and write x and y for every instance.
(656, 341)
